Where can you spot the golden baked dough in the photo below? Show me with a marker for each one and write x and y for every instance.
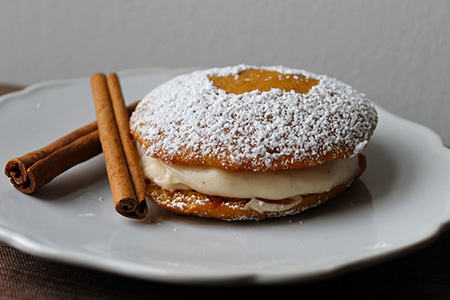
(264, 81)
(226, 118)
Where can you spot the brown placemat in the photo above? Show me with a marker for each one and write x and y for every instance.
(4, 89)
(424, 274)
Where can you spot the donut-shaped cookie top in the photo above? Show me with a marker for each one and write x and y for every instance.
(253, 118)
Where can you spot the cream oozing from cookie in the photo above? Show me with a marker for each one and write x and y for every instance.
(272, 185)
(263, 206)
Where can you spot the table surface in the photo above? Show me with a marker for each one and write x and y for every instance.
(424, 274)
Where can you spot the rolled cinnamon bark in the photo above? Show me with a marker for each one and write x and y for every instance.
(122, 188)
(129, 147)
(30, 172)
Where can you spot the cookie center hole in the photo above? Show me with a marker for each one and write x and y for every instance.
(264, 81)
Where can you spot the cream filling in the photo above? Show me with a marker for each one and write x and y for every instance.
(274, 185)
(262, 206)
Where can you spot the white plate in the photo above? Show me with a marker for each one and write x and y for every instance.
(400, 203)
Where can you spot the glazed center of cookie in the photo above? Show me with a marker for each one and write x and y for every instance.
(264, 81)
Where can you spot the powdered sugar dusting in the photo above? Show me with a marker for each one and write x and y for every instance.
(188, 116)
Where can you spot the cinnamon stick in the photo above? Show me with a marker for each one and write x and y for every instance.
(124, 190)
(129, 147)
(31, 171)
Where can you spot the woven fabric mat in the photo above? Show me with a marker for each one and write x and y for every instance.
(424, 274)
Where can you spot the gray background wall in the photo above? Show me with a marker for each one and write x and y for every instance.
(397, 52)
